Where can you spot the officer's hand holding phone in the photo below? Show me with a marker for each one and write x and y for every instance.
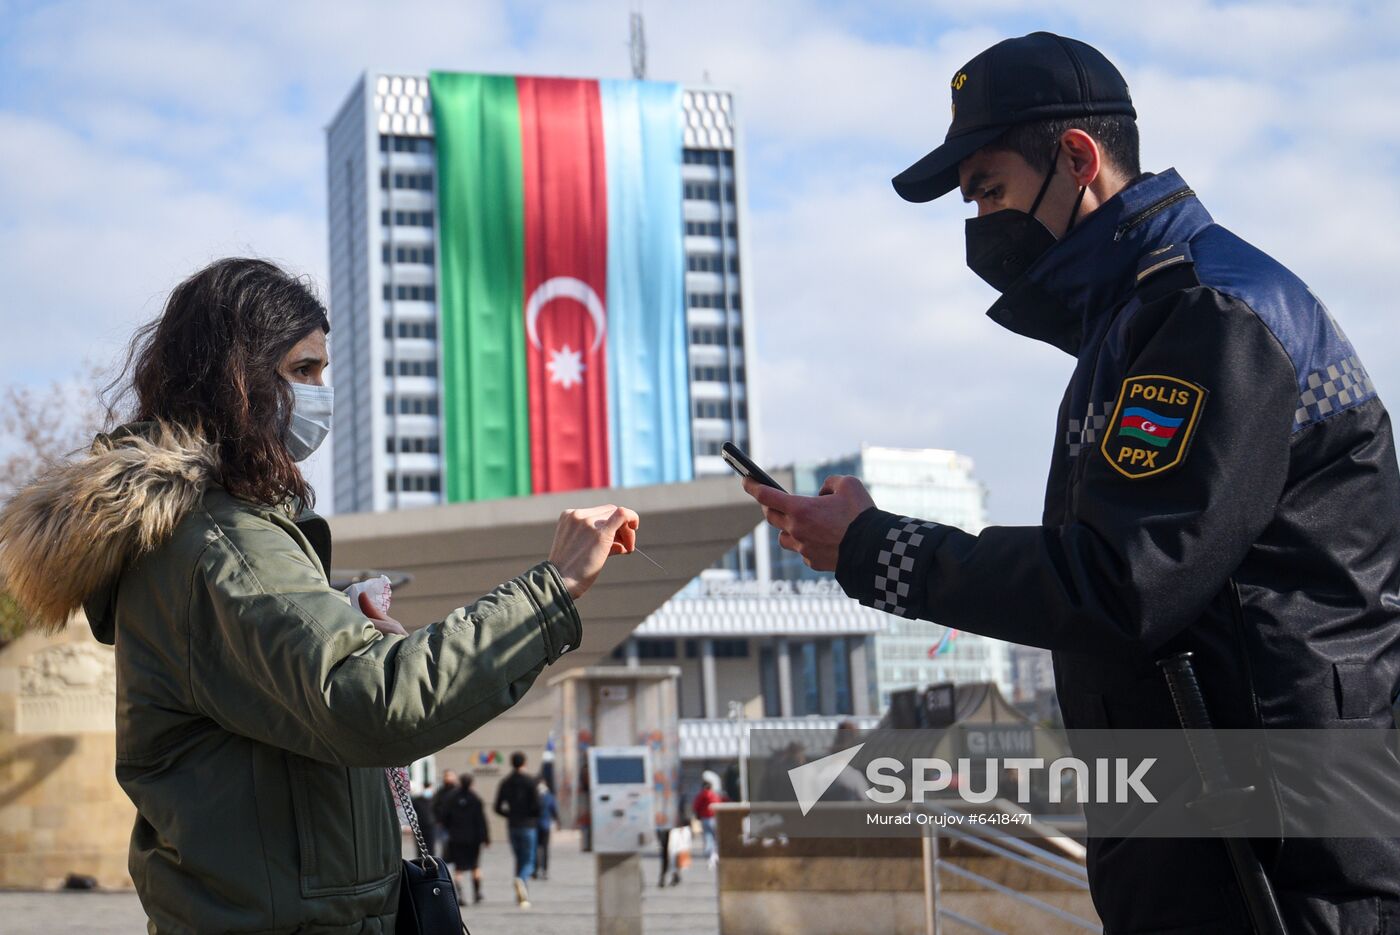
(810, 526)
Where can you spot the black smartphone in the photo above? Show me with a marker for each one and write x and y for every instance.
(743, 466)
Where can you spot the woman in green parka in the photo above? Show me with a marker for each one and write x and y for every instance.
(256, 707)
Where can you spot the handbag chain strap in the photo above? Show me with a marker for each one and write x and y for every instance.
(398, 781)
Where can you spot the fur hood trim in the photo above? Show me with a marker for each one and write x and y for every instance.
(66, 537)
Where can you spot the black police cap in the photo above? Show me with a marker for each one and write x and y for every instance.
(1041, 76)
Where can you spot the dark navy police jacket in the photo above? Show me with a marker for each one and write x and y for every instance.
(1224, 481)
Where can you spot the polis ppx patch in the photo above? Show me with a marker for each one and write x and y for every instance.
(1152, 424)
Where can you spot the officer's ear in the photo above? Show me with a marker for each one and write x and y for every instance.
(1081, 157)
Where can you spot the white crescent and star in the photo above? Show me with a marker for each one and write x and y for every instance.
(566, 287)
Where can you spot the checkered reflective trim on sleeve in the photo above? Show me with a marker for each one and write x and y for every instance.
(1331, 390)
(895, 563)
(1084, 433)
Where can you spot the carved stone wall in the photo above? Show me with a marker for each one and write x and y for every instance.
(61, 810)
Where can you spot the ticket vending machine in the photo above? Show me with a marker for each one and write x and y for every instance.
(621, 799)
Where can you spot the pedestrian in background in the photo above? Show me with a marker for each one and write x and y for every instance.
(704, 809)
(549, 814)
(423, 806)
(463, 815)
(519, 802)
(448, 785)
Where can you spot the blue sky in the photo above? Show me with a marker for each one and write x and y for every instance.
(140, 140)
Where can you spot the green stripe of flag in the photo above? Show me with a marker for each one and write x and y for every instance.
(1157, 440)
(481, 264)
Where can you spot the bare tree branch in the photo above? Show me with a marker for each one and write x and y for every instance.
(38, 429)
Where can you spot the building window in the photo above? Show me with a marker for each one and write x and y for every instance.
(768, 681)
(419, 445)
(405, 144)
(719, 374)
(701, 157)
(710, 228)
(407, 218)
(409, 254)
(711, 263)
(656, 649)
(413, 329)
(413, 293)
(701, 191)
(841, 674)
(715, 336)
(411, 368)
(810, 679)
(713, 409)
(417, 181)
(711, 300)
(723, 649)
(415, 405)
(708, 191)
(416, 483)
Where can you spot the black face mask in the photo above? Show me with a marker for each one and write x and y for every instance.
(1006, 243)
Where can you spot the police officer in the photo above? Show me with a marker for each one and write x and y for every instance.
(1224, 479)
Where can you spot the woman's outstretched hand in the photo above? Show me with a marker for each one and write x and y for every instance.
(381, 620)
(584, 539)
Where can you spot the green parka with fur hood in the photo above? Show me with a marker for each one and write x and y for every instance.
(256, 708)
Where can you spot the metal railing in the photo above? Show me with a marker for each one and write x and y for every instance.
(1007, 848)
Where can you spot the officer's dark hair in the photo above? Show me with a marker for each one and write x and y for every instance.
(517, 759)
(1116, 134)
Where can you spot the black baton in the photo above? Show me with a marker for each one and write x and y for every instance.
(1218, 797)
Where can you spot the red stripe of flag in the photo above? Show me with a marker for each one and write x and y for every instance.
(1157, 429)
(566, 235)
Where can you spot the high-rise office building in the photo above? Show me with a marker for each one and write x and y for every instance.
(936, 485)
(397, 384)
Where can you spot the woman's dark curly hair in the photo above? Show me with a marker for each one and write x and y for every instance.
(209, 363)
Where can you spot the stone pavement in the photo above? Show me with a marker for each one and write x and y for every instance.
(561, 905)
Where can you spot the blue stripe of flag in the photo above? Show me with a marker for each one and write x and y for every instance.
(648, 373)
(1150, 416)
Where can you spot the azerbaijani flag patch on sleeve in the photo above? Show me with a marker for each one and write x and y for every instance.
(1152, 424)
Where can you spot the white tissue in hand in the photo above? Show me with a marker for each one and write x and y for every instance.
(379, 591)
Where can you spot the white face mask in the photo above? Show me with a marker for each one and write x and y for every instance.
(311, 419)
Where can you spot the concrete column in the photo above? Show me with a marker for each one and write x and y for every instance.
(826, 678)
(618, 889)
(860, 680)
(783, 656)
(631, 653)
(709, 700)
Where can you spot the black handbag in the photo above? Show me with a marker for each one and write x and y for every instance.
(427, 895)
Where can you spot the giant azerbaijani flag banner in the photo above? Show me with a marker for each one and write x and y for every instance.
(561, 284)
